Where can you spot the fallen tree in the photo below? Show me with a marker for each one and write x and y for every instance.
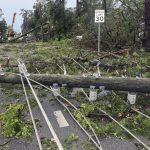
(16, 38)
(115, 83)
(112, 66)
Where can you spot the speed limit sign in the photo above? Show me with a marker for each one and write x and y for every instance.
(99, 16)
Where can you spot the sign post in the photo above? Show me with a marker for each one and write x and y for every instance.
(99, 18)
(99, 37)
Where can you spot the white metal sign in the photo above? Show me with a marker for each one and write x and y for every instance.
(99, 16)
(61, 119)
(79, 37)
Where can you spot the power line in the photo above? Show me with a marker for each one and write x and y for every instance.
(117, 122)
(43, 111)
(31, 114)
(63, 99)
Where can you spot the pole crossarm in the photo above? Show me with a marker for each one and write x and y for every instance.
(114, 83)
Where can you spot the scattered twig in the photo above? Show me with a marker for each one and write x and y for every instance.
(5, 143)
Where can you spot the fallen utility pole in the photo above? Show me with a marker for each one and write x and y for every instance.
(115, 83)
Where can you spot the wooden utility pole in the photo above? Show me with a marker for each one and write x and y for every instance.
(115, 83)
(147, 26)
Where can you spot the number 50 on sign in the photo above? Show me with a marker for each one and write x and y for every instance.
(99, 16)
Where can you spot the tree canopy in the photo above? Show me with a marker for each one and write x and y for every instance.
(123, 25)
(3, 29)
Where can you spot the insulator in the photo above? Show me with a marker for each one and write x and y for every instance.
(102, 88)
(74, 92)
(93, 94)
(131, 98)
(56, 89)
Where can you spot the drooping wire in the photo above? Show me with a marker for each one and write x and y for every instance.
(90, 137)
(98, 146)
(102, 112)
(80, 65)
(117, 121)
(148, 117)
(63, 99)
(81, 113)
(139, 112)
(43, 112)
(135, 137)
(119, 124)
(31, 114)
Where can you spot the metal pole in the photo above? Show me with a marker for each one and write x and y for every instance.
(99, 37)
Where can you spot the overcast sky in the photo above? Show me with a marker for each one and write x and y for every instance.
(11, 6)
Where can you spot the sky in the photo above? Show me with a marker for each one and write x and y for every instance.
(11, 6)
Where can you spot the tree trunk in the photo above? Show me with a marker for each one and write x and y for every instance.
(147, 26)
(14, 39)
(78, 8)
(42, 32)
(105, 6)
(118, 84)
